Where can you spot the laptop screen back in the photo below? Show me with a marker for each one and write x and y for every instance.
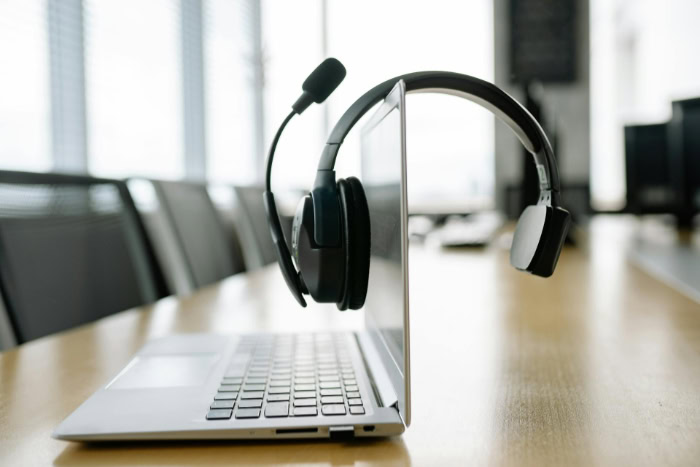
(383, 148)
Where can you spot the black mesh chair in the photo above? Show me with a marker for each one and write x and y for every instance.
(210, 251)
(72, 250)
(255, 232)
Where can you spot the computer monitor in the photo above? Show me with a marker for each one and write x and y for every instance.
(647, 164)
(383, 149)
(684, 145)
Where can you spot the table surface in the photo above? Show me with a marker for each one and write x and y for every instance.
(598, 365)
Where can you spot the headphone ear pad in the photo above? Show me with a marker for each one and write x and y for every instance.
(357, 241)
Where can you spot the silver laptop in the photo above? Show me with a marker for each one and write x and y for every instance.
(336, 385)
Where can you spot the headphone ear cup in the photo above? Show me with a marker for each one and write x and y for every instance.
(538, 239)
(357, 239)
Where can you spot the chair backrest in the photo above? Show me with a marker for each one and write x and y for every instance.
(200, 233)
(7, 334)
(229, 211)
(255, 232)
(72, 250)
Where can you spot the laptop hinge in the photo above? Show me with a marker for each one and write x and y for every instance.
(381, 384)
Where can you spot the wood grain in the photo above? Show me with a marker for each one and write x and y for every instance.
(598, 365)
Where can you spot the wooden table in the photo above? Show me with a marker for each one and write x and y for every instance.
(598, 365)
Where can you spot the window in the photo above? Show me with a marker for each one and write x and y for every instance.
(134, 88)
(292, 47)
(229, 91)
(450, 141)
(25, 104)
(255, 55)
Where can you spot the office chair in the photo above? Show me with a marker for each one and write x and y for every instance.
(73, 250)
(7, 334)
(209, 252)
(254, 231)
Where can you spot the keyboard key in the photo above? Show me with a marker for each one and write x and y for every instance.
(228, 404)
(331, 392)
(357, 410)
(305, 387)
(352, 395)
(351, 382)
(228, 380)
(354, 401)
(304, 374)
(279, 390)
(304, 381)
(327, 372)
(305, 411)
(332, 400)
(352, 388)
(247, 413)
(329, 385)
(328, 378)
(279, 383)
(277, 409)
(333, 409)
(230, 387)
(219, 414)
(252, 395)
(277, 397)
(256, 381)
(304, 394)
(254, 387)
(257, 375)
(250, 404)
(304, 402)
(224, 396)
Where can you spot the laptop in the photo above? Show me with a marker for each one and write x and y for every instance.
(276, 386)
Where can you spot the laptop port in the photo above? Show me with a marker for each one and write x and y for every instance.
(368, 428)
(341, 433)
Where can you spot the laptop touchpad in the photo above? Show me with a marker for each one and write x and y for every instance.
(160, 371)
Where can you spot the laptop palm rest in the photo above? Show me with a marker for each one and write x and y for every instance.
(159, 371)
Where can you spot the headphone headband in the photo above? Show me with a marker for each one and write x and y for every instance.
(481, 92)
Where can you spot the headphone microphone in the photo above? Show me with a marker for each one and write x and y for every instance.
(316, 88)
(320, 84)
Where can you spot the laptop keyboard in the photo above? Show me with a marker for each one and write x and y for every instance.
(273, 376)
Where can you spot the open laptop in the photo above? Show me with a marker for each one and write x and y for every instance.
(274, 386)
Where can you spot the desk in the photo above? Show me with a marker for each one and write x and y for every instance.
(598, 365)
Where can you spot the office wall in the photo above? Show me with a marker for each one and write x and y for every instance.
(567, 104)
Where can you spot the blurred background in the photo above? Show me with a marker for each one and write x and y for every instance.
(193, 90)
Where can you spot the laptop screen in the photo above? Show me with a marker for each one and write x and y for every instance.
(383, 150)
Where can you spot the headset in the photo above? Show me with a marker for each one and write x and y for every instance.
(331, 241)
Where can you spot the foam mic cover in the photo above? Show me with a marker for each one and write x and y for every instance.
(320, 84)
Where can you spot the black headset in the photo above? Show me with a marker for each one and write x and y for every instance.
(331, 229)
